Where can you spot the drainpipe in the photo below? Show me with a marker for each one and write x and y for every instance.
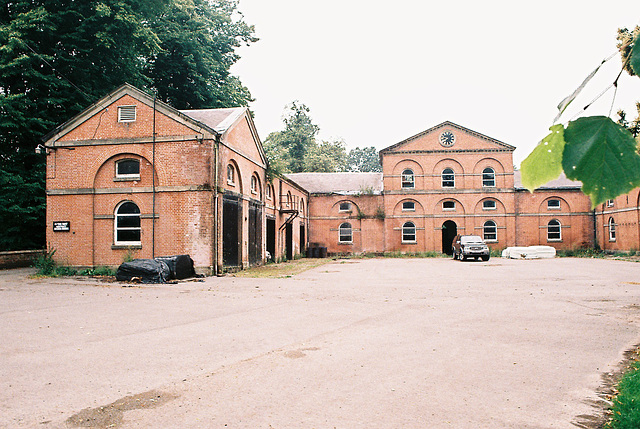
(595, 231)
(216, 146)
(153, 183)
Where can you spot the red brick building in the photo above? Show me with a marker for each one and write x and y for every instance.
(132, 176)
(444, 181)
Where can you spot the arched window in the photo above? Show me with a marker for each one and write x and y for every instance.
(490, 231)
(612, 229)
(231, 174)
(488, 177)
(554, 230)
(345, 234)
(254, 185)
(127, 224)
(409, 232)
(408, 179)
(267, 191)
(448, 178)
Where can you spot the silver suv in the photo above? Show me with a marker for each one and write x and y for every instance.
(470, 246)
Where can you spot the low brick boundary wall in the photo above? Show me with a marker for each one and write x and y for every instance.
(19, 258)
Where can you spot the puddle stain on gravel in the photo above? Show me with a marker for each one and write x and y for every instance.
(111, 416)
(297, 354)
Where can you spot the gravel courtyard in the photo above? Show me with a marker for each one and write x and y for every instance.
(375, 343)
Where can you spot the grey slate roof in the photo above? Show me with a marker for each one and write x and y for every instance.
(217, 119)
(560, 183)
(339, 183)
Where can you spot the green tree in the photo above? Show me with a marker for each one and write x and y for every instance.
(59, 56)
(595, 150)
(288, 149)
(326, 157)
(364, 160)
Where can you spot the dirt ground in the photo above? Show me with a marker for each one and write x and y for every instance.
(370, 343)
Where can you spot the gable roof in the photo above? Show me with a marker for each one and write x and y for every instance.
(339, 183)
(449, 125)
(110, 98)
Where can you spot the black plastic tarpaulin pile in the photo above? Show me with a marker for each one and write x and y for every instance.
(158, 270)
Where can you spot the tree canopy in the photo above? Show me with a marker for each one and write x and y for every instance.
(296, 149)
(59, 56)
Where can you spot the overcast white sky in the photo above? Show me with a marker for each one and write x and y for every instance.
(374, 73)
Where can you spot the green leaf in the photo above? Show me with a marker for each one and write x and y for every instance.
(602, 155)
(544, 163)
(635, 56)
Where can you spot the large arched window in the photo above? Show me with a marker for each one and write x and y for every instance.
(490, 231)
(612, 229)
(554, 230)
(345, 233)
(409, 232)
(488, 177)
(448, 178)
(127, 224)
(408, 179)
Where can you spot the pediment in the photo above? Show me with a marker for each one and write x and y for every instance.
(448, 136)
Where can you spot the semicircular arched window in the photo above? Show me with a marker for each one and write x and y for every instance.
(408, 179)
(554, 230)
(345, 233)
(612, 229)
(408, 232)
(448, 178)
(127, 224)
(490, 231)
(488, 177)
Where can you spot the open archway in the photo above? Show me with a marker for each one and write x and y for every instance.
(449, 232)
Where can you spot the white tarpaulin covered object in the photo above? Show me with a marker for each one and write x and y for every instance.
(531, 252)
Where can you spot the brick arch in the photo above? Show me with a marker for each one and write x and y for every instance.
(451, 163)
(336, 206)
(419, 207)
(437, 208)
(408, 163)
(500, 207)
(258, 185)
(542, 208)
(104, 164)
(497, 167)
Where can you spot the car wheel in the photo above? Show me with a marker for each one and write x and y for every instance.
(461, 257)
(485, 258)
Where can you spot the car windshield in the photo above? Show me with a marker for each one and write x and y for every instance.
(471, 239)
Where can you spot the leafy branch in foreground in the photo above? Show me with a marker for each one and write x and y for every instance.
(595, 150)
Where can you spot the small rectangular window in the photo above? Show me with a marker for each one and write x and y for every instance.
(609, 203)
(408, 206)
(128, 169)
(345, 207)
(126, 113)
(488, 205)
(449, 205)
(553, 205)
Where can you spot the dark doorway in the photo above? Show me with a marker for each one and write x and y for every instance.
(302, 239)
(271, 238)
(255, 232)
(231, 221)
(288, 237)
(449, 232)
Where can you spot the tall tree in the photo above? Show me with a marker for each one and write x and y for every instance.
(287, 149)
(59, 56)
(364, 160)
(326, 157)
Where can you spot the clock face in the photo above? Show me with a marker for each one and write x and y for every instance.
(447, 138)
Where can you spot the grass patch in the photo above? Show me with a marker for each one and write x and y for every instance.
(47, 267)
(282, 269)
(626, 405)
